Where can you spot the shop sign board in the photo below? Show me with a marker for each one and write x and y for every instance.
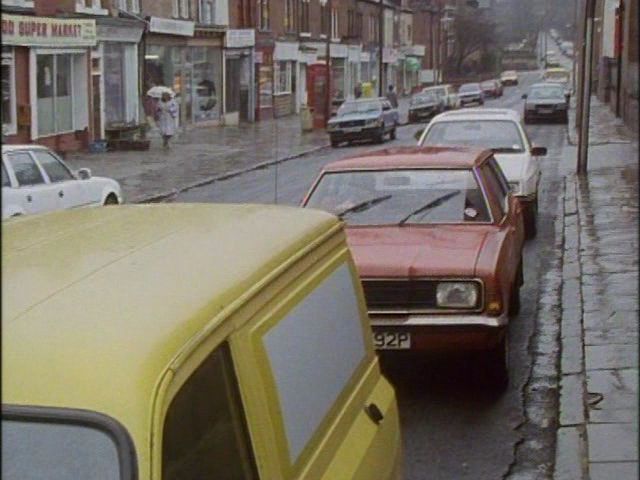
(28, 31)
(339, 50)
(426, 76)
(390, 55)
(242, 38)
(183, 28)
(113, 33)
(286, 51)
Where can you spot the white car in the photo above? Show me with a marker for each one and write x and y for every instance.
(509, 77)
(501, 130)
(36, 180)
(447, 93)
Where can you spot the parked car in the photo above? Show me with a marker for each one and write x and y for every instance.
(566, 47)
(437, 239)
(546, 101)
(557, 75)
(189, 342)
(509, 77)
(501, 130)
(36, 180)
(364, 119)
(470, 93)
(424, 106)
(491, 88)
(447, 93)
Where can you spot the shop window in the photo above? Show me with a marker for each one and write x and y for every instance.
(283, 77)
(208, 12)
(205, 433)
(54, 95)
(265, 78)
(8, 92)
(264, 14)
(338, 78)
(114, 82)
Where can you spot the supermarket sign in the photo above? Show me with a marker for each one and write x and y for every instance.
(48, 32)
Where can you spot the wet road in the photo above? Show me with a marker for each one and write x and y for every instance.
(454, 427)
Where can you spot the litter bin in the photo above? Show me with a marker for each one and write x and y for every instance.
(306, 120)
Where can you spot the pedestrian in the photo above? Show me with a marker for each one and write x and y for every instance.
(358, 90)
(392, 97)
(166, 114)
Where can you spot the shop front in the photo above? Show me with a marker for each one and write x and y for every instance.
(353, 69)
(390, 61)
(412, 66)
(53, 107)
(264, 85)
(191, 66)
(114, 75)
(285, 71)
(339, 73)
(239, 60)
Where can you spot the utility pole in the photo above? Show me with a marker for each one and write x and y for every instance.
(587, 55)
(381, 43)
(329, 24)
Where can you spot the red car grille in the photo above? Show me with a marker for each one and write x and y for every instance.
(400, 295)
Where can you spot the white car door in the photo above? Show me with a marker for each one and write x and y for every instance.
(71, 192)
(34, 193)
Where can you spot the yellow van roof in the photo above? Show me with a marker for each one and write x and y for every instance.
(557, 69)
(96, 302)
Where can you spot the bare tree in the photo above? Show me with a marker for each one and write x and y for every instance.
(472, 34)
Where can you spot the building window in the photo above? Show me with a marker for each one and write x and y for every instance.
(358, 31)
(351, 23)
(324, 19)
(282, 75)
(304, 16)
(334, 24)
(131, 6)
(180, 9)
(290, 15)
(245, 13)
(208, 12)
(264, 14)
(54, 96)
(9, 125)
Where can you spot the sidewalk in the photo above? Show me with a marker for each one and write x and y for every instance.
(203, 155)
(597, 438)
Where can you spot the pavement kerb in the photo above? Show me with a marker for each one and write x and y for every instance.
(160, 197)
(571, 459)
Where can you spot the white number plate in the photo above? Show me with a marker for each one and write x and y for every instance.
(545, 110)
(392, 340)
(352, 129)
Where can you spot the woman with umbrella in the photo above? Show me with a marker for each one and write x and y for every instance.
(166, 113)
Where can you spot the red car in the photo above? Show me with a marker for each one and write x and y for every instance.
(492, 88)
(437, 239)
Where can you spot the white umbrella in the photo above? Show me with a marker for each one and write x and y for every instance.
(159, 90)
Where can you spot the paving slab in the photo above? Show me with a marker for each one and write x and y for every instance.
(614, 471)
(572, 410)
(618, 395)
(605, 357)
(612, 442)
(570, 455)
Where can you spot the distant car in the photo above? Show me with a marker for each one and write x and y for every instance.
(566, 46)
(509, 77)
(424, 106)
(437, 241)
(491, 88)
(546, 101)
(36, 180)
(557, 75)
(363, 119)
(500, 130)
(448, 95)
(470, 93)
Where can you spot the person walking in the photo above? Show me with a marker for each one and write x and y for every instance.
(392, 97)
(166, 114)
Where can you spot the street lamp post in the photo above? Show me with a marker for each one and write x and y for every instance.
(381, 47)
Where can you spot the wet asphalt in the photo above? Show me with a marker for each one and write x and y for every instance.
(454, 426)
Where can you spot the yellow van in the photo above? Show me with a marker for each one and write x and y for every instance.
(189, 342)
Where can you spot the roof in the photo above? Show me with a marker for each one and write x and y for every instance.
(412, 157)
(557, 69)
(99, 301)
(13, 148)
(478, 114)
